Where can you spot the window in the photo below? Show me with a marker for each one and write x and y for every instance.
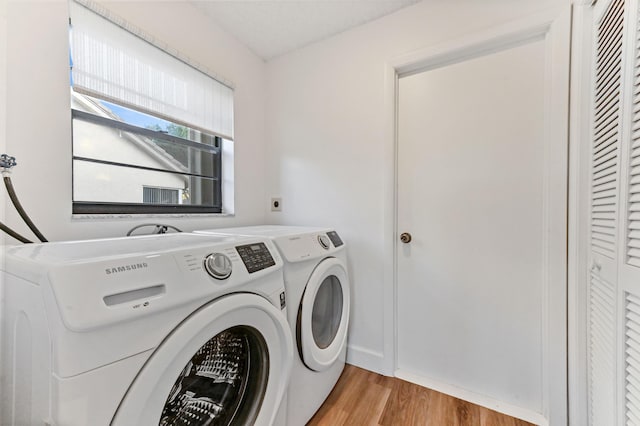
(149, 130)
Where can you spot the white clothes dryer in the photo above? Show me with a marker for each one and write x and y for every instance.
(318, 296)
(155, 330)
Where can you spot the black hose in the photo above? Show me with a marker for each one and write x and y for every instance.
(160, 228)
(23, 214)
(14, 234)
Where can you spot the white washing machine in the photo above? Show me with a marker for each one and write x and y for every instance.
(318, 296)
(155, 330)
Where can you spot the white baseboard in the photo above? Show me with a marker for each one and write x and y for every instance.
(366, 358)
(478, 399)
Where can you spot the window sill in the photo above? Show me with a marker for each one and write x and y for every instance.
(88, 217)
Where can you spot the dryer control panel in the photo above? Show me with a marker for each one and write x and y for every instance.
(335, 238)
(255, 257)
(312, 245)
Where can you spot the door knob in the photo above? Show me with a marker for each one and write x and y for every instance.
(405, 237)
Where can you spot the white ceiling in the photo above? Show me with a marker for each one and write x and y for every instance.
(273, 27)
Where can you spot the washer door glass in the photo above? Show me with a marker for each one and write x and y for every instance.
(323, 315)
(222, 384)
(327, 312)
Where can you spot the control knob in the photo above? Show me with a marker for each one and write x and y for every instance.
(218, 265)
(324, 242)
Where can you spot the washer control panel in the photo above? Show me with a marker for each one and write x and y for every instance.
(255, 257)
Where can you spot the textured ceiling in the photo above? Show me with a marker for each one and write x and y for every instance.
(273, 27)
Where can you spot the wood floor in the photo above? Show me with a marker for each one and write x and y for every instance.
(365, 398)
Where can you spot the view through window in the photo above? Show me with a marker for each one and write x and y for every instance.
(148, 129)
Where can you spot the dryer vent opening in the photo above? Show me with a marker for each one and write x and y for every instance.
(224, 382)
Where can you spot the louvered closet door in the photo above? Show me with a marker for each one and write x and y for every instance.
(606, 136)
(629, 240)
(605, 183)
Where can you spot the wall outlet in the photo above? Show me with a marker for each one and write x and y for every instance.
(276, 204)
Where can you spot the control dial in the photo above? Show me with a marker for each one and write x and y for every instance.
(324, 242)
(218, 266)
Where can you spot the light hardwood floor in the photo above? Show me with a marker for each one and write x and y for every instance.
(365, 398)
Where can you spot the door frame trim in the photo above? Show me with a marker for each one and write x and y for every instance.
(552, 26)
(579, 207)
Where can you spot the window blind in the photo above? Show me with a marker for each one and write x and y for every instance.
(110, 62)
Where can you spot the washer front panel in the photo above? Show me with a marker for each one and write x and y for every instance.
(215, 345)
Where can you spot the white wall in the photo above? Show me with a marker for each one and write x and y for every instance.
(3, 94)
(3, 116)
(39, 123)
(3, 79)
(329, 156)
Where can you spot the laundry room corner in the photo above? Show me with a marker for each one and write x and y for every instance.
(427, 216)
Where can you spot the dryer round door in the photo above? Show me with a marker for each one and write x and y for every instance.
(323, 315)
(228, 363)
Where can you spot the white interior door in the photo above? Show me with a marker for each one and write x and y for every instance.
(482, 191)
